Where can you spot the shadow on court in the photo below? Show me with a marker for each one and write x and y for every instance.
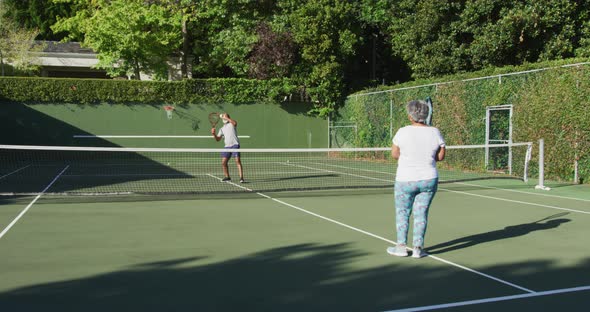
(30, 171)
(307, 277)
(547, 223)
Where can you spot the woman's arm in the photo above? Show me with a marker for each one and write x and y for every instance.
(440, 154)
(217, 138)
(231, 121)
(395, 151)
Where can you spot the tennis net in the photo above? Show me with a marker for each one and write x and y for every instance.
(29, 170)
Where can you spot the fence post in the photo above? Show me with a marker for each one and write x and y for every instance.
(541, 184)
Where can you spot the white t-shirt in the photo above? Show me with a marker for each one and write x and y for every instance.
(229, 134)
(418, 147)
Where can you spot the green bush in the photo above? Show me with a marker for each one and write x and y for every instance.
(549, 104)
(93, 91)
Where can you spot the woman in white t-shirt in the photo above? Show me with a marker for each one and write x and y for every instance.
(417, 147)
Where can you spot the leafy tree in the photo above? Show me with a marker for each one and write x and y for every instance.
(224, 33)
(38, 15)
(16, 45)
(273, 54)
(375, 63)
(130, 37)
(443, 37)
(425, 33)
(326, 33)
(188, 11)
(507, 32)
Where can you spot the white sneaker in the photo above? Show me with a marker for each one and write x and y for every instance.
(418, 253)
(398, 250)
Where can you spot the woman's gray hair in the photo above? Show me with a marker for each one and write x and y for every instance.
(418, 111)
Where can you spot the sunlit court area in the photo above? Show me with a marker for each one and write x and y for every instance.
(313, 155)
(308, 230)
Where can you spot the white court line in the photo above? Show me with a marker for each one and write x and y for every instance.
(15, 171)
(366, 170)
(515, 201)
(230, 182)
(338, 172)
(83, 136)
(379, 237)
(468, 194)
(523, 192)
(394, 243)
(31, 204)
(475, 185)
(496, 299)
(192, 174)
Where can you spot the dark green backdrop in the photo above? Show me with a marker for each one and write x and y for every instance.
(284, 125)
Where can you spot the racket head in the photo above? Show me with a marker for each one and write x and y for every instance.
(214, 119)
(430, 111)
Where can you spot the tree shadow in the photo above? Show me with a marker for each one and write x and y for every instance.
(512, 231)
(304, 277)
(30, 171)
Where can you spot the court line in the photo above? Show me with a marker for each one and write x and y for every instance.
(496, 299)
(358, 169)
(15, 171)
(22, 213)
(469, 194)
(379, 237)
(192, 174)
(515, 201)
(83, 136)
(344, 173)
(523, 192)
(475, 185)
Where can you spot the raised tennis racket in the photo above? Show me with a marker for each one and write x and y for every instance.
(214, 119)
(430, 111)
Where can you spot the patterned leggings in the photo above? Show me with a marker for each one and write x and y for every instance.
(416, 196)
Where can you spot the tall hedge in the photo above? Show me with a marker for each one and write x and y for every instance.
(551, 104)
(91, 91)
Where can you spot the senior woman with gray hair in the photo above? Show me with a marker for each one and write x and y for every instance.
(417, 147)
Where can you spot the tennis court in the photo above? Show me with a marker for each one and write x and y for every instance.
(76, 236)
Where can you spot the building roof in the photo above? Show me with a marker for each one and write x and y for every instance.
(65, 47)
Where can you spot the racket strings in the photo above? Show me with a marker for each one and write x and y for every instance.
(214, 119)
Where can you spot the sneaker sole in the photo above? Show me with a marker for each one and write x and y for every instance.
(397, 254)
(417, 256)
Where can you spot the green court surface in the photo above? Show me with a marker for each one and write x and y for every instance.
(494, 246)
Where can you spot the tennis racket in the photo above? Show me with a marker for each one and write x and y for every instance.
(214, 119)
(430, 111)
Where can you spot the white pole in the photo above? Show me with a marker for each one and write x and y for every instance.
(510, 139)
(487, 149)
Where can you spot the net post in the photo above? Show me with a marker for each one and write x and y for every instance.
(527, 160)
(541, 183)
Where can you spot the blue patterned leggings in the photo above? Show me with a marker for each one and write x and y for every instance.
(416, 196)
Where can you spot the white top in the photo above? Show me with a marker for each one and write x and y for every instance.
(229, 134)
(418, 147)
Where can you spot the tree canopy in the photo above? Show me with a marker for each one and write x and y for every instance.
(16, 44)
(329, 46)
